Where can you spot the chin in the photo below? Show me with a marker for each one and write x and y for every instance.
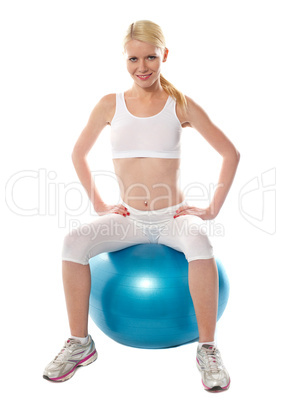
(145, 84)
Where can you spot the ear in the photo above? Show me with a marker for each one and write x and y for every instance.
(165, 55)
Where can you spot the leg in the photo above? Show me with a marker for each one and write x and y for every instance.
(77, 287)
(203, 285)
(186, 233)
(107, 233)
(77, 284)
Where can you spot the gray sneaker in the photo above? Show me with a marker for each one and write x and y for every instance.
(215, 377)
(73, 355)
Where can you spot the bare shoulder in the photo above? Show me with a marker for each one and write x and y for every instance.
(107, 105)
(102, 113)
(192, 106)
(191, 113)
(99, 118)
(108, 100)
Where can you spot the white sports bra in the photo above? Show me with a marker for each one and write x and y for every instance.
(156, 136)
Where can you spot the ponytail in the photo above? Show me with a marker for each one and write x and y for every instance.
(173, 92)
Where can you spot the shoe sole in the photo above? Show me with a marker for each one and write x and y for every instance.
(85, 362)
(217, 388)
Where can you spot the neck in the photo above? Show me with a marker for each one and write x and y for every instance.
(155, 90)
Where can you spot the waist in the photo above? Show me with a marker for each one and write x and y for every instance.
(148, 183)
(152, 202)
(162, 212)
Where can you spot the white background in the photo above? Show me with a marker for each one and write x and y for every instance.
(58, 58)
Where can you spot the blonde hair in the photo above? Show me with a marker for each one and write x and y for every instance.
(149, 32)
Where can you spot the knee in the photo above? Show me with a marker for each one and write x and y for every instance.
(199, 238)
(70, 240)
(74, 247)
(197, 243)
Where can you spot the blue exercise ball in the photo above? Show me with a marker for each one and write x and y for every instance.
(140, 296)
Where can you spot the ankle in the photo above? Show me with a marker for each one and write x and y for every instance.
(83, 340)
(200, 344)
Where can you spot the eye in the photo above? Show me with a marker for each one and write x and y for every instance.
(133, 59)
(151, 57)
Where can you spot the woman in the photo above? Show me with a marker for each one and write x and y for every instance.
(146, 123)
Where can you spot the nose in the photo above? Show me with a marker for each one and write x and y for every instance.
(142, 67)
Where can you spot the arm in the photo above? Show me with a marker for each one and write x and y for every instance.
(98, 119)
(198, 119)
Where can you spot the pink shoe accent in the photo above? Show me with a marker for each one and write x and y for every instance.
(227, 385)
(82, 361)
(205, 386)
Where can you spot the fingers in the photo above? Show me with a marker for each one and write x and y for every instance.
(121, 210)
(186, 210)
(114, 209)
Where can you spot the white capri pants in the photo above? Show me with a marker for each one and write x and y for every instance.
(114, 232)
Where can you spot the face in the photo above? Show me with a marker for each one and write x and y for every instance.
(144, 62)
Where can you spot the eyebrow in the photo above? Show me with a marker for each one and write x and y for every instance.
(150, 54)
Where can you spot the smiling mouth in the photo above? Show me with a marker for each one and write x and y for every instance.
(144, 77)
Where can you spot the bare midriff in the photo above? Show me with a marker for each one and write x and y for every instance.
(149, 183)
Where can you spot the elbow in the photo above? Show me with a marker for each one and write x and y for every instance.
(76, 155)
(232, 154)
(74, 152)
(73, 156)
(77, 159)
(237, 155)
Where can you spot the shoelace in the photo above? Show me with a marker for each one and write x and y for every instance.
(61, 355)
(213, 360)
